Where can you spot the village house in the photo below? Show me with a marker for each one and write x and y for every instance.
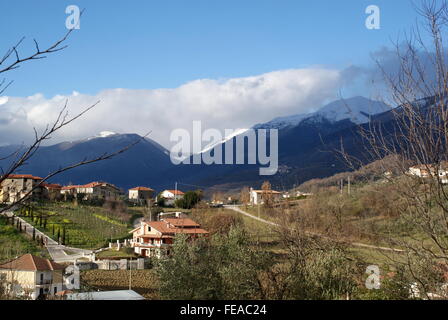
(17, 186)
(428, 171)
(257, 196)
(30, 277)
(51, 191)
(155, 238)
(171, 196)
(97, 190)
(140, 194)
(68, 191)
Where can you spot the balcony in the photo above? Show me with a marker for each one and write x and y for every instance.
(43, 282)
(150, 245)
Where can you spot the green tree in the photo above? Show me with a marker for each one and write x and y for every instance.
(185, 275)
(223, 267)
(160, 200)
(189, 200)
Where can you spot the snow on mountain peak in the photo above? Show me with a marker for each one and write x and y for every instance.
(357, 109)
(105, 134)
(102, 134)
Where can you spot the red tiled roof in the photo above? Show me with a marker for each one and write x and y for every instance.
(160, 226)
(89, 185)
(171, 227)
(52, 186)
(97, 184)
(181, 222)
(178, 192)
(28, 262)
(142, 189)
(69, 187)
(23, 176)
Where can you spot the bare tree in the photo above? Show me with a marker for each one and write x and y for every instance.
(415, 134)
(13, 60)
(245, 195)
(267, 194)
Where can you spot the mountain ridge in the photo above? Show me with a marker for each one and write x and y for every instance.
(302, 155)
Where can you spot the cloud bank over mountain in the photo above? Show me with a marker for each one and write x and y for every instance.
(227, 103)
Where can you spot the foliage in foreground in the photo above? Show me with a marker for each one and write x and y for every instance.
(228, 267)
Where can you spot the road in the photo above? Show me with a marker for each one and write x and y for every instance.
(355, 244)
(58, 252)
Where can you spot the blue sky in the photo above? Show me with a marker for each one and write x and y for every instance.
(164, 44)
(160, 65)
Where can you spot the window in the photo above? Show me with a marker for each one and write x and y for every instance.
(149, 229)
(55, 290)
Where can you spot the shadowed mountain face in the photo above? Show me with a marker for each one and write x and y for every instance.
(307, 145)
(143, 164)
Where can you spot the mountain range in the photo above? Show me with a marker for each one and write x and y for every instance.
(306, 144)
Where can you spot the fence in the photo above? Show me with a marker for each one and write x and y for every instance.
(123, 264)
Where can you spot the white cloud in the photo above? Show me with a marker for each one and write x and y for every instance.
(232, 103)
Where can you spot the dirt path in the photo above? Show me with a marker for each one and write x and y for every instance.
(355, 244)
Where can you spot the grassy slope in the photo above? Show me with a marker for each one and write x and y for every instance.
(13, 243)
(86, 226)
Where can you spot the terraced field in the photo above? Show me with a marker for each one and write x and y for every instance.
(81, 226)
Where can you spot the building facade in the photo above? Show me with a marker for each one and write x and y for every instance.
(32, 277)
(18, 186)
(155, 238)
(171, 196)
(140, 193)
(97, 190)
(258, 196)
(428, 171)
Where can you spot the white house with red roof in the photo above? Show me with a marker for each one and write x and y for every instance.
(155, 238)
(258, 196)
(171, 196)
(30, 276)
(140, 193)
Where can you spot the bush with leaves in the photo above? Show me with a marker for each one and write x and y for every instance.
(189, 200)
(223, 267)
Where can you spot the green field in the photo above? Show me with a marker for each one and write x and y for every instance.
(85, 226)
(143, 282)
(13, 243)
(113, 253)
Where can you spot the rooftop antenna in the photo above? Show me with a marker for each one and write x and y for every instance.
(175, 191)
(130, 274)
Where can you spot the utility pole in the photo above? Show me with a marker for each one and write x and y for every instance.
(342, 185)
(130, 274)
(348, 184)
(175, 192)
